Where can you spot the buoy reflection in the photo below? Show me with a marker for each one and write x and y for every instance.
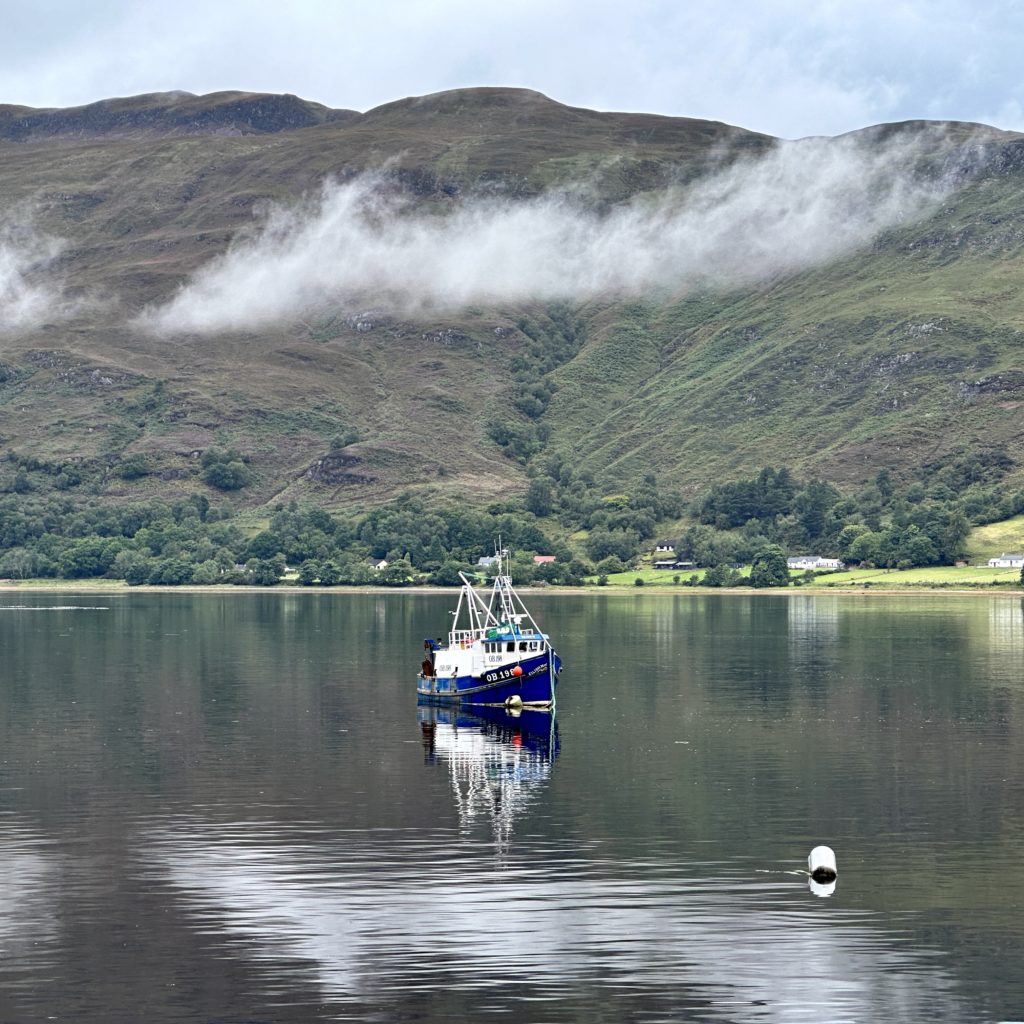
(821, 888)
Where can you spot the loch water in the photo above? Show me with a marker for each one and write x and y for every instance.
(227, 807)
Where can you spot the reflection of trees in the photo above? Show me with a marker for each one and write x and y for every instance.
(754, 725)
(209, 695)
(1006, 627)
(889, 720)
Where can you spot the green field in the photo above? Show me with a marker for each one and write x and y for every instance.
(933, 577)
(653, 577)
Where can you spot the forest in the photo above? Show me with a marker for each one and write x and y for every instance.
(47, 533)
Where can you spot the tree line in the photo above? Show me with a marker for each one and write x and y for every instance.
(564, 512)
(883, 524)
(191, 542)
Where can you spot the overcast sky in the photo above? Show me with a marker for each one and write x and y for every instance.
(788, 67)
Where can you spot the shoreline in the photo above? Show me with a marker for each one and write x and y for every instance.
(120, 587)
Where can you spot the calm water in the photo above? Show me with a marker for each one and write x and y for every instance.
(229, 808)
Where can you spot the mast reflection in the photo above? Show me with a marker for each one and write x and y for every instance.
(499, 761)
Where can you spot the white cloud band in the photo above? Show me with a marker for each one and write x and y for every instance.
(804, 204)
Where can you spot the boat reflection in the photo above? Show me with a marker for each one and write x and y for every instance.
(499, 761)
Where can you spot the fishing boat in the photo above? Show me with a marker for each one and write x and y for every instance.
(496, 653)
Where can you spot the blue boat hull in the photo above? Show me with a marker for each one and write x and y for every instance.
(536, 685)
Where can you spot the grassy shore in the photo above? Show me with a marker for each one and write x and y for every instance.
(101, 586)
(931, 577)
(948, 579)
(939, 577)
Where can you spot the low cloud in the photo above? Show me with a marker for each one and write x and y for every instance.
(29, 293)
(804, 204)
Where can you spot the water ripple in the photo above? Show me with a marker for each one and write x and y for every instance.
(53, 608)
(386, 912)
(30, 879)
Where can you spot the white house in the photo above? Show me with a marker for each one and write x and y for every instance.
(1007, 562)
(813, 562)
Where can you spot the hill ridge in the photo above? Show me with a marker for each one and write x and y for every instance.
(901, 352)
(168, 114)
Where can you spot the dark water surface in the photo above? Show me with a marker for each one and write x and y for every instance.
(228, 808)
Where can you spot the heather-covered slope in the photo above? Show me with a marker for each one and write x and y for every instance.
(895, 352)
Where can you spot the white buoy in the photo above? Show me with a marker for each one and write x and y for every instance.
(514, 703)
(821, 864)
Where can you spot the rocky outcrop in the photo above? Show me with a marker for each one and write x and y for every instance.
(335, 469)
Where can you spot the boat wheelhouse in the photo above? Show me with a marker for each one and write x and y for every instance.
(496, 653)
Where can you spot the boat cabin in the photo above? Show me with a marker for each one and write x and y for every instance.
(529, 646)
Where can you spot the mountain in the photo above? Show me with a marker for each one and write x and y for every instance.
(900, 348)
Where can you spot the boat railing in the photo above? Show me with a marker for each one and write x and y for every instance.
(465, 636)
(468, 636)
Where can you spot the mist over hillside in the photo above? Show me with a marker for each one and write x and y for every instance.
(687, 298)
(796, 207)
(29, 289)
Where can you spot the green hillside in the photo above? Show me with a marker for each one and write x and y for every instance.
(989, 541)
(903, 354)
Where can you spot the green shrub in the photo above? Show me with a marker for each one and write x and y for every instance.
(227, 476)
(133, 468)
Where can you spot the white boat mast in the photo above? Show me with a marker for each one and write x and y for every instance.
(477, 611)
(504, 608)
(505, 604)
